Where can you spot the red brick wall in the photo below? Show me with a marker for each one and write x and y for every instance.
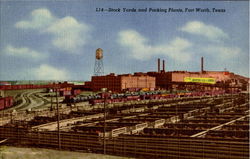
(120, 82)
(138, 82)
(113, 83)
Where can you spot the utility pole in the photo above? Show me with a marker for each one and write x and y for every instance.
(50, 91)
(104, 145)
(104, 126)
(176, 111)
(58, 121)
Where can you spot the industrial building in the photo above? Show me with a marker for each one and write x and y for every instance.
(178, 80)
(171, 80)
(168, 80)
(117, 83)
(203, 80)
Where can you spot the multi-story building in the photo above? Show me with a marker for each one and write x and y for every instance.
(171, 80)
(203, 80)
(178, 80)
(117, 83)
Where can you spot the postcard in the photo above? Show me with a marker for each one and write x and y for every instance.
(132, 79)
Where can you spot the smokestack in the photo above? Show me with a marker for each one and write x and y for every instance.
(202, 63)
(163, 65)
(159, 65)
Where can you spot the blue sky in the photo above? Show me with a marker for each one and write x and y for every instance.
(57, 40)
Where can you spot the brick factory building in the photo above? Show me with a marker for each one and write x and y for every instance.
(176, 79)
(171, 80)
(117, 83)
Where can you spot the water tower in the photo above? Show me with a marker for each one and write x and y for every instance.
(99, 69)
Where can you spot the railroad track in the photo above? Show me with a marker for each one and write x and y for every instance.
(24, 102)
(30, 100)
(34, 101)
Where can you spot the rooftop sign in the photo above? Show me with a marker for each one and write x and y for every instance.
(199, 80)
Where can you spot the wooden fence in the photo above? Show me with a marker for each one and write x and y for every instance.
(131, 145)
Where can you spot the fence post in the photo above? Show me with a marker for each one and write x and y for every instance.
(38, 137)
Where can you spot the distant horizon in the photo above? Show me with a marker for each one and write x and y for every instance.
(115, 74)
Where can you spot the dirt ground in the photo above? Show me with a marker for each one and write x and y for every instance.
(7, 152)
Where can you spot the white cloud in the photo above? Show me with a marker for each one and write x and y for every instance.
(47, 72)
(40, 18)
(68, 34)
(209, 31)
(223, 52)
(24, 52)
(139, 48)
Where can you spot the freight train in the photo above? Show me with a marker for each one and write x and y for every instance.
(23, 86)
(137, 96)
(6, 102)
(33, 86)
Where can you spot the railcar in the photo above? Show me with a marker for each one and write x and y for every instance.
(6, 102)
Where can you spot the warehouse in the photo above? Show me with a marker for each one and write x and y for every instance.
(202, 80)
(189, 80)
(117, 83)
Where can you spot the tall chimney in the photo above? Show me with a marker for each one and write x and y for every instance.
(159, 65)
(163, 65)
(202, 62)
